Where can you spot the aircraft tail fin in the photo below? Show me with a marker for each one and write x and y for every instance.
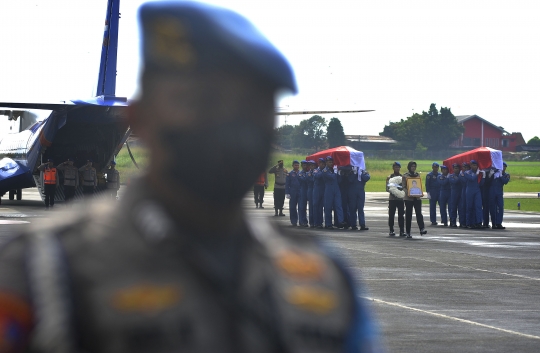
(107, 68)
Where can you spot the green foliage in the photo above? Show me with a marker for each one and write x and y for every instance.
(283, 136)
(125, 165)
(526, 204)
(433, 129)
(310, 133)
(534, 141)
(335, 134)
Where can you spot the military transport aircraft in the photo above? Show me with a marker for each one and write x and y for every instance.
(81, 129)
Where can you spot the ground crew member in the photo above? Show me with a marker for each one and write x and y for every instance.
(412, 202)
(318, 193)
(153, 274)
(279, 186)
(474, 196)
(113, 181)
(444, 194)
(394, 203)
(496, 198)
(71, 179)
(455, 204)
(292, 192)
(303, 200)
(357, 197)
(332, 195)
(50, 180)
(258, 189)
(463, 222)
(433, 190)
(310, 182)
(89, 178)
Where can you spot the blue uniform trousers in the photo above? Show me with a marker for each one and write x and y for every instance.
(357, 199)
(433, 205)
(318, 205)
(496, 202)
(302, 204)
(293, 204)
(311, 211)
(455, 206)
(474, 206)
(485, 204)
(344, 189)
(444, 197)
(332, 201)
(463, 201)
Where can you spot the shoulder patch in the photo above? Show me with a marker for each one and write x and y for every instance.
(301, 265)
(146, 298)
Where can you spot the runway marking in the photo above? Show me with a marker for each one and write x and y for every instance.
(13, 222)
(453, 318)
(447, 264)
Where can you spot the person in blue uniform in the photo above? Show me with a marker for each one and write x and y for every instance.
(485, 192)
(474, 195)
(463, 222)
(496, 199)
(344, 186)
(433, 189)
(292, 192)
(318, 194)
(310, 181)
(302, 202)
(332, 195)
(454, 205)
(444, 194)
(357, 197)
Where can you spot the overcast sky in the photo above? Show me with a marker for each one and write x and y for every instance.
(396, 57)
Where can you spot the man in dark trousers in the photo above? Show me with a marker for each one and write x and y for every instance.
(258, 189)
(394, 202)
(280, 174)
(50, 180)
(71, 179)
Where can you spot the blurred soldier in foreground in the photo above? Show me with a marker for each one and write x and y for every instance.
(89, 178)
(71, 179)
(154, 275)
(113, 181)
(279, 186)
(50, 180)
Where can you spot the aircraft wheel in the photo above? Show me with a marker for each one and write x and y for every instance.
(19, 194)
(11, 195)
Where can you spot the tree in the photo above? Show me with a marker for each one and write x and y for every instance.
(283, 136)
(433, 129)
(309, 133)
(335, 134)
(534, 141)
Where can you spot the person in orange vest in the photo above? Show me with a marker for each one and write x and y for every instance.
(258, 189)
(50, 180)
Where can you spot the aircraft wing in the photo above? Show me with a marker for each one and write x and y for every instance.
(305, 112)
(99, 101)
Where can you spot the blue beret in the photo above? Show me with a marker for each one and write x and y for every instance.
(321, 160)
(303, 161)
(465, 164)
(504, 164)
(473, 161)
(295, 162)
(188, 36)
(311, 161)
(113, 162)
(435, 164)
(329, 158)
(444, 167)
(397, 163)
(455, 165)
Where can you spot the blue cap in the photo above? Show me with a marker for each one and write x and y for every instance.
(113, 162)
(311, 161)
(473, 161)
(397, 163)
(329, 158)
(435, 164)
(295, 162)
(188, 36)
(444, 167)
(303, 161)
(465, 164)
(322, 160)
(504, 164)
(455, 165)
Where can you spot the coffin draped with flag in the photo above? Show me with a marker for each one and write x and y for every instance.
(485, 156)
(342, 156)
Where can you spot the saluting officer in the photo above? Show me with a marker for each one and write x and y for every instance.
(302, 202)
(113, 181)
(455, 204)
(153, 274)
(332, 195)
(474, 196)
(50, 180)
(318, 193)
(444, 194)
(279, 186)
(71, 179)
(310, 182)
(433, 189)
(496, 199)
(89, 178)
(292, 192)
(357, 197)
(394, 203)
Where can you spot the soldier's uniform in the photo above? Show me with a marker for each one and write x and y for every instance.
(433, 188)
(89, 179)
(310, 183)
(332, 197)
(71, 180)
(444, 196)
(463, 221)
(50, 180)
(113, 182)
(496, 199)
(279, 187)
(303, 200)
(455, 204)
(292, 189)
(474, 198)
(318, 195)
(357, 198)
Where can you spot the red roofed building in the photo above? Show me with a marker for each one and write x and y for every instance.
(481, 133)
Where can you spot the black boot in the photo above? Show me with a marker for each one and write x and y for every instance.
(260, 205)
(363, 227)
(275, 215)
(281, 212)
(392, 233)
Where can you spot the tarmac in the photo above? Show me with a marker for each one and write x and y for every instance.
(451, 290)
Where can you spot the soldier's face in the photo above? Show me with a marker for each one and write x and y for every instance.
(435, 169)
(280, 164)
(396, 168)
(330, 163)
(444, 171)
(413, 168)
(322, 164)
(296, 166)
(456, 170)
(474, 167)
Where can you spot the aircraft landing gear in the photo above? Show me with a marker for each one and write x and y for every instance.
(11, 194)
(19, 194)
